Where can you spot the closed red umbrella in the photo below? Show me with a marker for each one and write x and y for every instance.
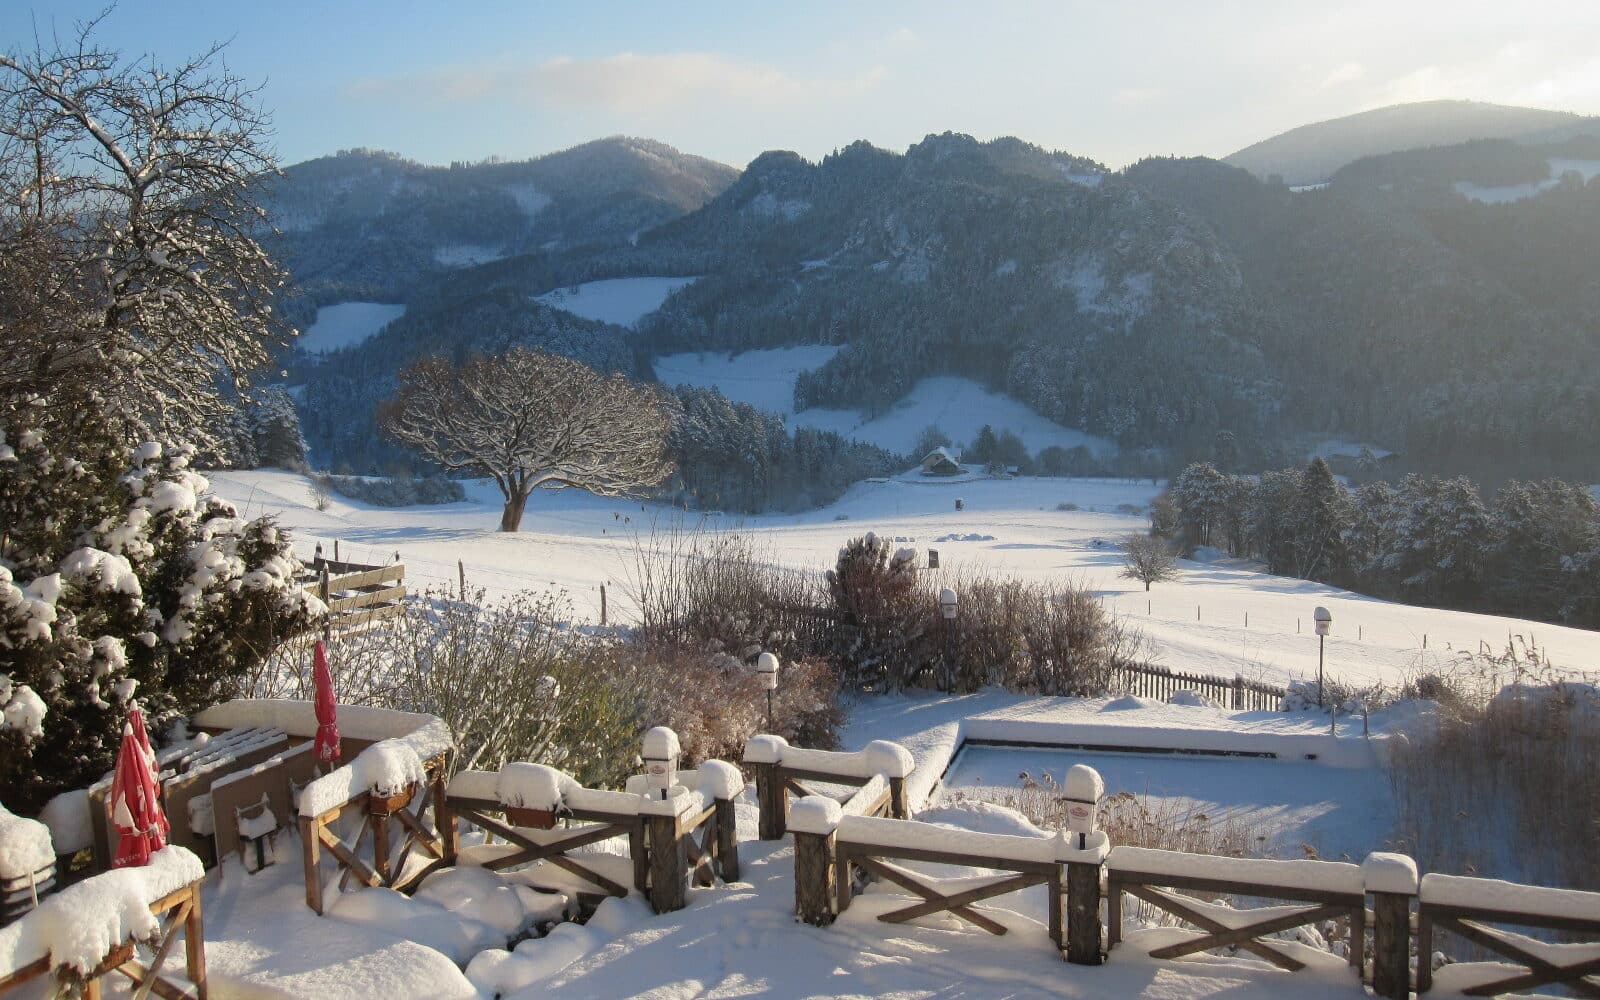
(327, 708)
(136, 723)
(135, 800)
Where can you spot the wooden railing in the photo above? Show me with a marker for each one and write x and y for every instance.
(689, 838)
(1332, 889)
(1466, 906)
(372, 857)
(780, 769)
(177, 914)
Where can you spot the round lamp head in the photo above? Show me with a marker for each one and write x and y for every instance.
(1324, 619)
(767, 668)
(947, 602)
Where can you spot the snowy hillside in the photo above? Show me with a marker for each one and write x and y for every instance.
(623, 301)
(1219, 617)
(346, 324)
(957, 406)
(764, 379)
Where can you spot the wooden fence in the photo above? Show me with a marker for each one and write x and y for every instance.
(357, 594)
(372, 857)
(1466, 906)
(1147, 680)
(780, 768)
(689, 838)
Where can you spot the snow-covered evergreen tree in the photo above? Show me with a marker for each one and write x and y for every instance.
(119, 583)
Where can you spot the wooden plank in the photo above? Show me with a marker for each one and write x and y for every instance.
(348, 861)
(905, 880)
(312, 846)
(942, 902)
(1240, 888)
(1216, 930)
(366, 598)
(568, 864)
(355, 577)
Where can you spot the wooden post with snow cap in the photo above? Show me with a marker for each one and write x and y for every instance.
(1392, 881)
(1083, 850)
(669, 861)
(762, 755)
(815, 823)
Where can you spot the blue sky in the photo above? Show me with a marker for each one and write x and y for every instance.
(1109, 80)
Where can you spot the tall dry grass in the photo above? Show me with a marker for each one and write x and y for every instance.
(1502, 778)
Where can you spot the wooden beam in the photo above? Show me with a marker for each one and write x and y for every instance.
(899, 876)
(1218, 934)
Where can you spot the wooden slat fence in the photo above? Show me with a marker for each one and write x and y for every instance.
(357, 594)
(1148, 680)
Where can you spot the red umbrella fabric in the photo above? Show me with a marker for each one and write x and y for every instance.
(136, 723)
(135, 800)
(327, 708)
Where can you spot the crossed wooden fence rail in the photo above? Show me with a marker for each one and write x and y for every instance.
(669, 850)
(372, 857)
(838, 846)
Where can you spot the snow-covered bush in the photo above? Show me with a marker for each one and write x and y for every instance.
(119, 574)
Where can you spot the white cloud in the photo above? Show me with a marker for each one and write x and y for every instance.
(627, 82)
(1347, 73)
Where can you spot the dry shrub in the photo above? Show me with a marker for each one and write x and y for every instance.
(1504, 784)
(705, 589)
(715, 702)
(883, 614)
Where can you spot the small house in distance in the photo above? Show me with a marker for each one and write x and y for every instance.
(939, 462)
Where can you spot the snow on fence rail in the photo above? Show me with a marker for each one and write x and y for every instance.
(780, 768)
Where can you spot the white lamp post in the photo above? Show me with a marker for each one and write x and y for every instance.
(661, 752)
(1084, 788)
(1324, 619)
(947, 607)
(767, 668)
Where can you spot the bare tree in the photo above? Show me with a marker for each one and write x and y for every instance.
(128, 235)
(1149, 560)
(532, 420)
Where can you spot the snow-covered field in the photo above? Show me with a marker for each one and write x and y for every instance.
(623, 301)
(764, 379)
(577, 542)
(346, 324)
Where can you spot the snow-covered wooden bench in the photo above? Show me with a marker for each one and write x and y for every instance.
(96, 928)
(780, 769)
(1466, 906)
(1314, 890)
(521, 804)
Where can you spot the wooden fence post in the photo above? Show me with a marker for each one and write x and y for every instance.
(814, 882)
(1391, 945)
(1392, 881)
(1083, 914)
(899, 799)
(194, 946)
(773, 800)
(602, 605)
(727, 841)
(313, 863)
(444, 819)
(669, 865)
